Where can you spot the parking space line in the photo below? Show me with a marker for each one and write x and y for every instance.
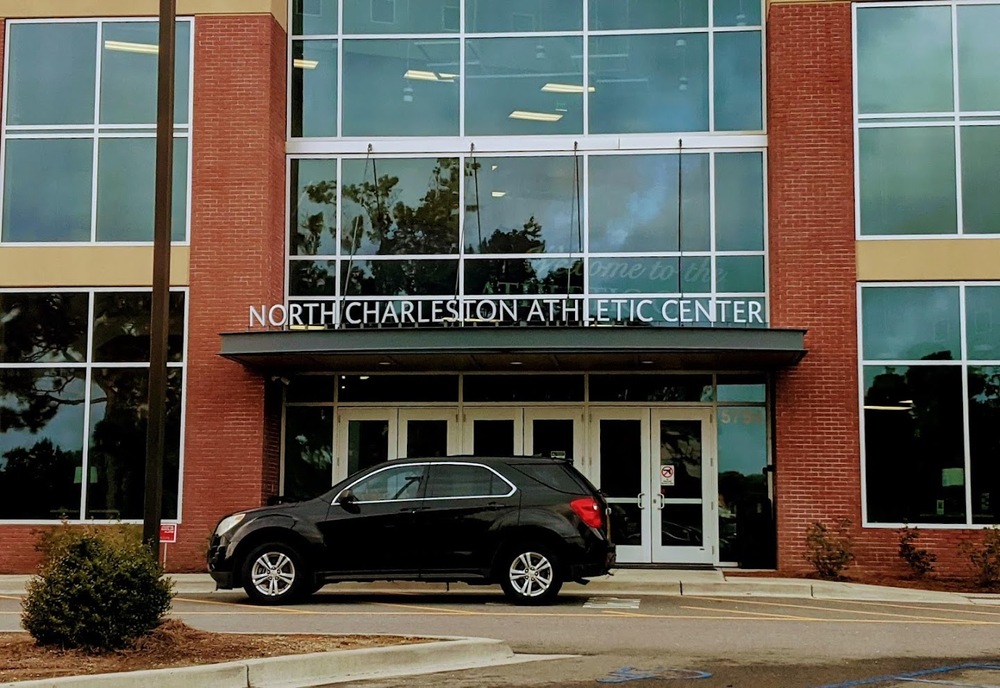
(763, 616)
(10, 597)
(437, 610)
(909, 606)
(839, 610)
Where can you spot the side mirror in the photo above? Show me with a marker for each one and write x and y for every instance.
(346, 497)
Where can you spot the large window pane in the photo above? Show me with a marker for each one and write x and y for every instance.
(43, 327)
(910, 323)
(739, 202)
(312, 278)
(914, 447)
(524, 276)
(119, 415)
(126, 189)
(980, 180)
(313, 207)
(653, 83)
(121, 326)
(41, 442)
(978, 54)
(314, 88)
(51, 73)
(736, 12)
(740, 274)
(314, 17)
(984, 443)
(982, 322)
(400, 277)
(633, 203)
(398, 388)
(47, 190)
(908, 181)
(607, 15)
(650, 388)
(650, 275)
(738, 81)
(400, 206)
(523, 86)
(523, 205)
(904, 59)
(401, 16)
(521, 16)
(401, 88)
(308, 468)
(518, 388)
(128, 72)
(746, 527)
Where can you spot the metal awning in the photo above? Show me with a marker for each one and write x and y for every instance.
(460, 349)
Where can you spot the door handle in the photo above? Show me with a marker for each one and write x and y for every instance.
(639, 500)
(658, 501)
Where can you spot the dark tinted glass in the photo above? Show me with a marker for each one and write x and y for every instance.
(121, 326)
(426, 438)
(746, 530)
(41, 442)
(982, 322)
(493, 437)
(367, 443)
(399, 388)
(464, 481)
(399, 277)
(308, 466)
(314, 88)
(306, 388)
(312, 277)
(313, 208)
(555, 476)
(621, 458)
(631, 275)
(984, 443)
(523, 388)
(391, 484)
(524, 276)
(552, 438)
(43, 327)
(914, 448)
(119, 415)
(911, 323)
(650, 388)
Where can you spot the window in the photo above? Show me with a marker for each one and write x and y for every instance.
(390, 484)
(928, 134)
(931, 393)
(79, 131)
(66, 356)
(454, 480)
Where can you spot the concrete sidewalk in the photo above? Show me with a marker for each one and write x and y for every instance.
(622, 582)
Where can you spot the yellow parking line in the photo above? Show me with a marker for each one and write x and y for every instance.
(10, 597)
(764, 615)
(909, 606)
(438, 610)
(833, 609)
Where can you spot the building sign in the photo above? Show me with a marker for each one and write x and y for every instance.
(700, 311)
(168, 533)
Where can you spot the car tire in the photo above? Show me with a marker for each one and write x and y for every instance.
(273, 573)
(530, 574)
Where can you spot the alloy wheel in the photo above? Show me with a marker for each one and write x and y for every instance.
(273, 574)
(531, 574)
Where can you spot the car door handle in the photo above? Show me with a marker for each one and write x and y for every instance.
(494, 506)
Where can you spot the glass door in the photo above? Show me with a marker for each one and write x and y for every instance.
(682, 471)
(366, 437)
(427, 432)
(620, 452)
(492, 432)
(553, 433)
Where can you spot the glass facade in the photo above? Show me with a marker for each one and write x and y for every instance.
(931, 402)
(79, 152)
(928, 118)
(74, 370)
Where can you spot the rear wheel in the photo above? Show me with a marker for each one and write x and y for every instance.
(273, 573)
(530, 574)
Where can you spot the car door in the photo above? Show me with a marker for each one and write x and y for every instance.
(375, 534)
(464, 507)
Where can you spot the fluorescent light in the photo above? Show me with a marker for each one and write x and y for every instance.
(444, 76)
(887, 408)
(420, 75)
(126, 47)
(566, 88)
(498, 194)
(305, 64)
(535, 116)
(493, 168)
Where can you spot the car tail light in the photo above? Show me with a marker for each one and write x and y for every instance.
(588, 510)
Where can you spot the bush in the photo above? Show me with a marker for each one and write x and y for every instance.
(920, 561)
(829, 549)
(98, 589)
(985, 558)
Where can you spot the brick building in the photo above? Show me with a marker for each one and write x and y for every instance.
(737, 261)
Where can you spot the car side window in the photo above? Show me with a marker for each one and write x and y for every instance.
(457, 480)
(390, 484)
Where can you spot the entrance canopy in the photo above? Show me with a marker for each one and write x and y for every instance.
(516, 348)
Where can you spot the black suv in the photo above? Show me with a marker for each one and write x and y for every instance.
(526, 523)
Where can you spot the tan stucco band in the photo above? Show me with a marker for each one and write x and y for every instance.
(928, 259)
(87, 266)
(17, 9)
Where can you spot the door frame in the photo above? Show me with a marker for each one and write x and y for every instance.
(572, 413)
(405, 414)
(341, 435)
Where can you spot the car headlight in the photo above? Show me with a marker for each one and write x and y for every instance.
(228, 523)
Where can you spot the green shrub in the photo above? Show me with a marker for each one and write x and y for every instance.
(100, 588)
(829, 549)
(985, 558)
(920, 561)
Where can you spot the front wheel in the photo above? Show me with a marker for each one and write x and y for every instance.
(273, 573)
(530, 575)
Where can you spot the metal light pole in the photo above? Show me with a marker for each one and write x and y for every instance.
(159, 318)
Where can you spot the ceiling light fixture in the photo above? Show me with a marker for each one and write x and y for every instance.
(301, 63)
(535, 116)
(498, 194)
(566, 88)
(126, 47)
(420, 75)
(887, 408)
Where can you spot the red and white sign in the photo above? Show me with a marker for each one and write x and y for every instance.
(667, 474)
(168, 533)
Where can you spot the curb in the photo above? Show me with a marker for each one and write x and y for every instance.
(445, 654)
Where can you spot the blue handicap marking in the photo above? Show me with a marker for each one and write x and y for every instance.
(937, 676)
(625, 674)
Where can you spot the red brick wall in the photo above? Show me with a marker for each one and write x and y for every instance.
(237, 259)
(812, 267)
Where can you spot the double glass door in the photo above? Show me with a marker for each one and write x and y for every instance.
(552, 432)
(657, 469)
